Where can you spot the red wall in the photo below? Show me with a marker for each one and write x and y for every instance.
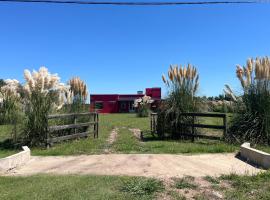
(155, 93)
(111, 101)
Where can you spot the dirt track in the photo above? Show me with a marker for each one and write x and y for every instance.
(150, 165)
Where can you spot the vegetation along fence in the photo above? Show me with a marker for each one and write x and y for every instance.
(196, 124)
(73, 127)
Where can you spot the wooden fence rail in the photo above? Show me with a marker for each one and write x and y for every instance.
(93, 123)
(194, 125)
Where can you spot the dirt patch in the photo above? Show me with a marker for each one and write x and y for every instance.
(112, 138)
(148, 165)
(203, 190)
(136, 132)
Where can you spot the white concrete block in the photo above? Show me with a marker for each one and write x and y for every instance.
(255, 156)
(15, 160)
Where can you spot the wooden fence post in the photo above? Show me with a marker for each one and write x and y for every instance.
(47, 139)
(97, 124)
(225, 125)
(151, 122)
(193, 129)
(75, 122)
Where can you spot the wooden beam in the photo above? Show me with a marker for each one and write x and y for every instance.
(70, 115)
(69, 126)
(67, 137)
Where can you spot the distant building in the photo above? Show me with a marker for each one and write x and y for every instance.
(121, 103)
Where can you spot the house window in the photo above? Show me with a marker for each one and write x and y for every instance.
(99, 105)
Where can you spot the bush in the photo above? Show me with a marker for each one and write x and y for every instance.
(43, 95)
(10, 107)
(182, 86)
(143, 105)
(252, 122)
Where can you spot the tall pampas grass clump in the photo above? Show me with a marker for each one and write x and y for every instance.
(10, 104)
(78, 88)
(43, 94)
(182, 84)
(252, 123)
(79, 93)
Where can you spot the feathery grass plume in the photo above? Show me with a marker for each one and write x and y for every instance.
(143, 105)
(164, 79)
(10, 89)
(78, 88)
(44, 83)
(183, 78)
(43, 94)
(228, 91)
(252, 123)
(182, 84)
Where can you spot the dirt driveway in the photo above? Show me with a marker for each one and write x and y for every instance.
(149, 165)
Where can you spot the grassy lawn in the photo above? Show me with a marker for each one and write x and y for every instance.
(126, 142)
(78, 187)
(121, 187)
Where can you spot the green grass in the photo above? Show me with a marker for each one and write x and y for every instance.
(141, 187)
(126, 141)
(248, 187)
(211, 179)
(45, 187)
(263, 148)
(78, 187)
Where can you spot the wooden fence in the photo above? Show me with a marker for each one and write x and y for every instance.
(92, 124)
(194, 125)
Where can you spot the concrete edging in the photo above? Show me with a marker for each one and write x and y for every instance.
(255, 156)
(15, 160)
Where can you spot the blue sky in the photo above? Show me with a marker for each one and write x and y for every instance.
(125, 49)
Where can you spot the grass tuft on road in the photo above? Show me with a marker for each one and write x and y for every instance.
(186, 182)
(142, 187)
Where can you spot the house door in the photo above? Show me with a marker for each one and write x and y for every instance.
(123, 106)
(131, 106)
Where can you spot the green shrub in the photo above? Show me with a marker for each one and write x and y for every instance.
(252, 122)
(143, 105)
(10, 105)
(182, 86)
(43, 94)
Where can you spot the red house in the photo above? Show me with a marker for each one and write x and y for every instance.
(121, 103)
